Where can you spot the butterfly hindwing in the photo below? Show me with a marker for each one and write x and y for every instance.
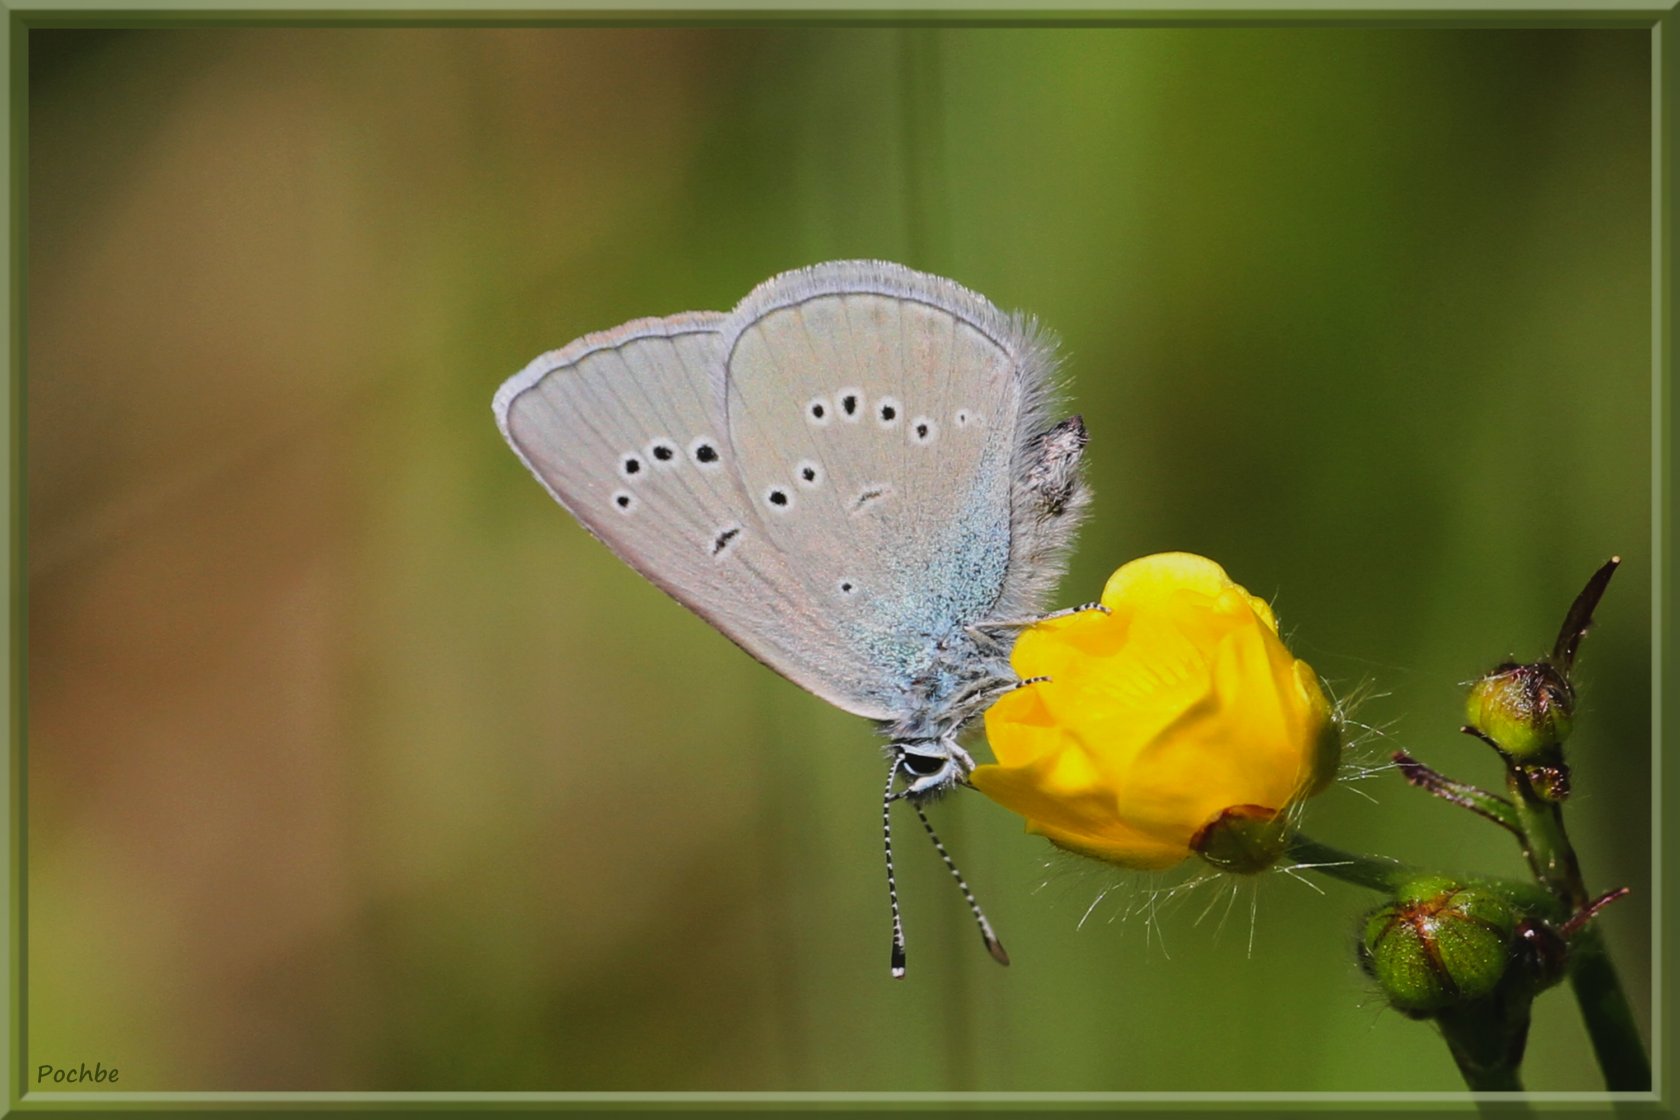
(904, 393)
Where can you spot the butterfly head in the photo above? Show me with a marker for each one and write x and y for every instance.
(929, 767)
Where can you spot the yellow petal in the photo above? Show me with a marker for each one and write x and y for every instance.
(1252, 688)
(1065, 647)
(1125, 702)
(1188, 775)
(1124, 847)
(1318, 721)
(1154, 578)
(1080, 820)
(1020, 729)
(1047, 792)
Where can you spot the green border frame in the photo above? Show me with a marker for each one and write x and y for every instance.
(1658, 17)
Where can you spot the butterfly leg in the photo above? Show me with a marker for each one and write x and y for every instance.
(964, 759)
(983, 694)
(979, 629)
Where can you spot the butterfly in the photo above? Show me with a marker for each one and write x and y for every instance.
(853, 475)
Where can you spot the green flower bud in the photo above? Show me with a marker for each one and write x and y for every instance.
(1526, 710)
(1439, 945)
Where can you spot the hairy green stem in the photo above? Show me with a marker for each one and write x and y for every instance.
(1486, 1039)
(1592, 977)
(1390, 876)
(1609, 1018)
(1378, 873)
(1546, 844)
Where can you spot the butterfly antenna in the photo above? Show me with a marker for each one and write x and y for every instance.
(993, 945)
(892, 886)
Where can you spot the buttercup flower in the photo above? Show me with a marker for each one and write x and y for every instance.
(1177, 723)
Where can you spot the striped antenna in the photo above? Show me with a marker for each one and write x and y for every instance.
(993, 945)
(892, 887)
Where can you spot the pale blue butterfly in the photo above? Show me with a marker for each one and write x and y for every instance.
(852, 475)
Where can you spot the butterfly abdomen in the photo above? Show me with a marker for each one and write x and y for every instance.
(1053, 482)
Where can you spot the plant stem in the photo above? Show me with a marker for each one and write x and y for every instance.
(1592, 976)
(1609, 1018)
(1546, 844)
(1378, 873)
(1487, 1039)
(1390, 876)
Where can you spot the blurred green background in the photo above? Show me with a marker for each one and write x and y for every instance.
(354, 763)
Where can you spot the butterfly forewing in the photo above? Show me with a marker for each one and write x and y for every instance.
(625, 429)
(874, 414)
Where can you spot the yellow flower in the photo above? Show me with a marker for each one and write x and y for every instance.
(1174, 724)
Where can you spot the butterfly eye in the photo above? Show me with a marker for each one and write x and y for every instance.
(851, 403)
(923, 430)
(887, 410)
(922, 765)
(778, 497)
(847, 587)
(808, 474)
(631, 467)
(625, 501)
(817, 411)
